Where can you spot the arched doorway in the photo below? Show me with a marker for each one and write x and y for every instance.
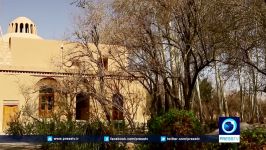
(82, 107)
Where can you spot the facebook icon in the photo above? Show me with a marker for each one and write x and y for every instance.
(106, 139)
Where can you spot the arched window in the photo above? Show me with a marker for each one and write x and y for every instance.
(16, 29)
(82, 107)
(31, 29)
(117, 110)
(46, 101)
(47, 96)
(21, 27)
(27, 28)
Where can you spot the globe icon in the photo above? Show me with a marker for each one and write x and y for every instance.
(228, 126)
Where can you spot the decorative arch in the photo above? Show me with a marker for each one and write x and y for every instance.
(47, 81)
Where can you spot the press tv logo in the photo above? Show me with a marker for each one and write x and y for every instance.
(229, 130)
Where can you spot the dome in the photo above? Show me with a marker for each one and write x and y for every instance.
(22, 25)
(22, 20)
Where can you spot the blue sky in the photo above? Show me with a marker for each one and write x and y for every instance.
(53, 18)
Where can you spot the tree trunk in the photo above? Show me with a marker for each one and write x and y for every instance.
(199, 98)
(223, 98)
(250, 97)
(254, 112)
(241, 96)
(221, 112)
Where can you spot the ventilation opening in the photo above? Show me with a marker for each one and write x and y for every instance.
(16, 29)
(12, 27)
(21, 27)
(27, 28)
(31, 29)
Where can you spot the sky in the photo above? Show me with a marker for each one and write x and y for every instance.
(54, 18)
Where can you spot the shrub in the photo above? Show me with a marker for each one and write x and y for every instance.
(253, 139)
(20, 126)
(249, 139)
(175, 122)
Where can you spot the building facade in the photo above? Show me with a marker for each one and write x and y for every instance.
(31, 63)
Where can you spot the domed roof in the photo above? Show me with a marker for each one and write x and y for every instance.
(22, 20)
(22, 27)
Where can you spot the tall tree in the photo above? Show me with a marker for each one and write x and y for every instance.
(169, 43)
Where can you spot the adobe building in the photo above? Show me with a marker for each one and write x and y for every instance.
(27, 61)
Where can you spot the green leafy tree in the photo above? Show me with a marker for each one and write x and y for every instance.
(206, 90)
(209, 99)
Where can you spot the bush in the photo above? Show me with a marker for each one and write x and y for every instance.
(20, 126)
(249, 139)
(174, 122)
(253, 139)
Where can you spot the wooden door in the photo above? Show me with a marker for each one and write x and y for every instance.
(9, 112)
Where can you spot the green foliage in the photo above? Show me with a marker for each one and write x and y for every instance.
(119, 124)
(254, 138)
(52, 127)
(63, 127)
(206, 90)
(15, 127)
(175, 122)
(250, 139)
